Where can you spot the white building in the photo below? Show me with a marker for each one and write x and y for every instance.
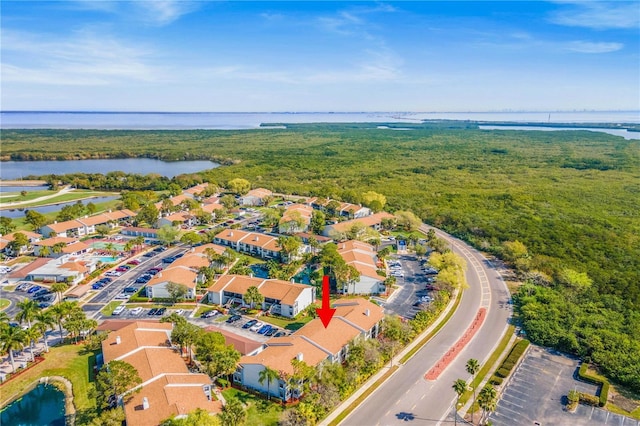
(363, 258)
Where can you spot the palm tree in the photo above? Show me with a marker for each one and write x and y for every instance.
(28, 309)
(59, 312)
(459, 386)
(31, 335)
(487, 400)
(269, 375)
(253, 295)
(12, 338)
(4, 318)
(44, 251)
(472, 368)
(57, 248)
(59, 288)
(44, 322)
(111, 249)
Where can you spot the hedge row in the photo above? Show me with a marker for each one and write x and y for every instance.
(509, 362)
(588, 399)
(604, 389)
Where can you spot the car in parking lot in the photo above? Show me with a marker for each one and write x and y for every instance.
(134, 262)
(45, 298)
(161, 311)
(178, 311)
(41, 292)
(264, 329)
(233, 318)
(130, 290)
(273, 330)
(33, 289)
(168, 259)
(113, 273)
(118, 310)
(143, 279)
(250, 323)
(136, 311)
(257, 326)
(123, 268)
(152, 311)
(123, 296)
(209, 314)
(97, 285)
(23, 286)
(430, 271)
(280, 333)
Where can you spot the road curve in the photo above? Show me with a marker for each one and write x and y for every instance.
(407, 396)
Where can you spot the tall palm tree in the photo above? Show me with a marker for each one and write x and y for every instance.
(28, 309)
(44, 251)
(31, 335)
(487, 400)
(59, 312)
(459, 386)
(44, 322)
(472, 368)
(59, 288)
(12, 338)
(4, 318)
(269, 375)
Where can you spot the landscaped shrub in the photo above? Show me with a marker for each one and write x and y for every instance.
(587, 399)
(510, 361)
(496, 381)
(604, 390)
(503, 372)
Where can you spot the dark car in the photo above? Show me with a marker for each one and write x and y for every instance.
(34, 289)
(161, 311)
(142, 279)
(168, 259)
(159, 249)
(41, 292)
(271, 331)
(249, 323)
(130, 290)
(97, 285)
(134, 262)
(264, 329)
(233, 318)
(152, 311)
(280, 333)
(106, 280)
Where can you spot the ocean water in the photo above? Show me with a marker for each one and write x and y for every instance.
(239, 121)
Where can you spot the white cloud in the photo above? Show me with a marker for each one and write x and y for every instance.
(591, 47)
(83, 59)
(599, 15)
(163, 12)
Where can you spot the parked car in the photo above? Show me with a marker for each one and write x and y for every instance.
(23, 286)
(257, 326)
(118, 310)
(123, 296)
(178, 311)
(161, 311)
(34, 289)
(233, 318)
(152, 311)
(280, 333)
(136, 311)
(264, 329)
(250, 323)
(209, 314)
(97, 285)
(41, 292)
(134, 262)
(168, 259)
(113, 273)
(272, 331)
(130, 290)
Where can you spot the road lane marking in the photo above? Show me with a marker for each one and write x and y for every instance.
(423, 395)
(414, 406)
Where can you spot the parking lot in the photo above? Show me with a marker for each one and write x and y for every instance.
(537, 393)
(412, 287)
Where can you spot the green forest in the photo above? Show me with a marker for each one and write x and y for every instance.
(572, 198)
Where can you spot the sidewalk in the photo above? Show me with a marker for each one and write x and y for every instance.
(373, 379)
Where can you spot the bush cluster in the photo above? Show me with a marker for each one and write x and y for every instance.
(604, 385)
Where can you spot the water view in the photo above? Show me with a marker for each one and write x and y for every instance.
(19, 212)
(20, 169)
(616, 132)
(44, 405)
(247, 120)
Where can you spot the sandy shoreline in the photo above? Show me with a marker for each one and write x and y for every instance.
(23, 182)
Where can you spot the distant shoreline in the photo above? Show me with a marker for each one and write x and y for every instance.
(23, 182)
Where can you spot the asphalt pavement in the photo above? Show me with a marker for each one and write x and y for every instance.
(406, 396)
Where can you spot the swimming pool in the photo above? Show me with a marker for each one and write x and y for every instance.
(106, 259)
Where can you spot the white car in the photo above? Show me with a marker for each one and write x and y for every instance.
(122, 296)
(117, 311)
(136, 311)
(178, 311)
(257, 326)
(113, 274)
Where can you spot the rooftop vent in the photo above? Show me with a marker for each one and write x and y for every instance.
(145, 403)
(299, 356)
(367, 312)
(118, 340)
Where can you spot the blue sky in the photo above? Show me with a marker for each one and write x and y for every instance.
(320, 56)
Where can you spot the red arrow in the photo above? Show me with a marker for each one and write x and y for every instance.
(325, 313)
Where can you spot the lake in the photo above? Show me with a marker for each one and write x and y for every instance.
(44, 405)
(616, 132)
(19, 169)
(17, 213)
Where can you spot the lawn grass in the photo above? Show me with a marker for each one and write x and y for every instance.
(292, 325)
(108, 309)
(259, 412)
(70, 361)
(486, 368)
(4, 303)
(71, 196)
(30, 195)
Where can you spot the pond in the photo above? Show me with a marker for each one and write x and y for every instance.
(19, 169)
(616, 132)
(20, 212)
(44, 405)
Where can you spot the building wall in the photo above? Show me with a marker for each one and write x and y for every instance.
(160, 290)
(366, 285)
(250, 378)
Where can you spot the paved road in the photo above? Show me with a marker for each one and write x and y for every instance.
(407, 396)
